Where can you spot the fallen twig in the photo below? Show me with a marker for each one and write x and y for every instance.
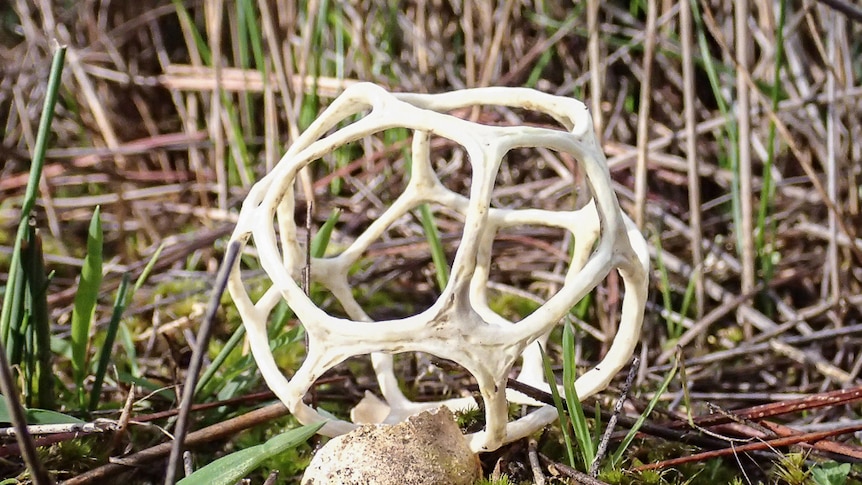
(201, 436)
(98, 426)
(606, 437)
(758, 446)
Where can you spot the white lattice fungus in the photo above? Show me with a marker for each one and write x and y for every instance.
(460, 325)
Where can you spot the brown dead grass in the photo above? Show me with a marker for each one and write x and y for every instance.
(140, 132)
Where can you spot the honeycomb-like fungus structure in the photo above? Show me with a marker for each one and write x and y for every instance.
(460, 325)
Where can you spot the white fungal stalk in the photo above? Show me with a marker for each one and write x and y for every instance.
(460, 325)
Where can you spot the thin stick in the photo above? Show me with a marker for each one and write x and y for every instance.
(98, 426)
(188, 462)
(502, 31)
(744, 117)
(469, 45)
(281, 76)
(694, 200)
(306, 271)
(756, 446)
(125, 417)
(210, 433)
(272, 478)
(535, 466)
(832, 142)
(214, 11)
(810, 358)
(618, 407)
(849, 10)
(196, 363)
(651, 429)
(644, 114)
(577, 476)
(88, 91)
(595, 67)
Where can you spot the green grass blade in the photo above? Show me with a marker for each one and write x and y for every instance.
(321, 239)
(617, 456)
(7, 385)
(16, 291)
(426, 217)
(44, 132)
(146, 272)
(186, 18)
(731, 130)
(128, 343)
(673, 328)
(85, 302)
(230, 469)
(239, 149)
(767, 193)
(255, 35)
(558, 403)
(37, 416)
(41, 376)
(597, 429)
(54, 80)
(108, 346)
(688, 296)
(126, 339)
(438, 255)
(243, 51)
(216, 364)
(573, 402)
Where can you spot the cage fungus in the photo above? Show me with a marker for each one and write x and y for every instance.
(460, 325)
